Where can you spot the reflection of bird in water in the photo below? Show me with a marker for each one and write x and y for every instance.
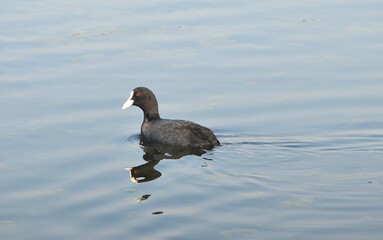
(144, 172)
(158, 151)
(153, 154)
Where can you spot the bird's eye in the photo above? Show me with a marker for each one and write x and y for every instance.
(137, 94)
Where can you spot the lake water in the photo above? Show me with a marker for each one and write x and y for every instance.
(292, 89)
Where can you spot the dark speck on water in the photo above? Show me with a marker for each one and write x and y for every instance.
(157, 213)
(291, 89)
(144, 197)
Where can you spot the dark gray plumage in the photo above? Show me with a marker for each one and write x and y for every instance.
(164, 131)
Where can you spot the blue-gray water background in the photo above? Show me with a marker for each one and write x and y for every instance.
(293, 90)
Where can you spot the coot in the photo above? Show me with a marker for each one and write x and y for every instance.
(154, 129)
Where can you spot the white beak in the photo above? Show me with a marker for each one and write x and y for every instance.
(129, 102)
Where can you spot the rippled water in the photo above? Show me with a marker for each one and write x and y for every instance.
(293, 91)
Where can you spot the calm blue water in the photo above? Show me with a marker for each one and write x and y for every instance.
(293, 91)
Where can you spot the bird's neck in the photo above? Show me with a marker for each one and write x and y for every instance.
(150, 112)
(148, 117)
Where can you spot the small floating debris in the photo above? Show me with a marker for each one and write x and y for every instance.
(204, 165)
(208, 159)
(144, 197)
(157, 213)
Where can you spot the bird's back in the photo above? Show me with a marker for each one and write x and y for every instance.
(178, 133)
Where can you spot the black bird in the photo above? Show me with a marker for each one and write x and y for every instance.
(178, 133)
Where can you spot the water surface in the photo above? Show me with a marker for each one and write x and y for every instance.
(293, 91)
